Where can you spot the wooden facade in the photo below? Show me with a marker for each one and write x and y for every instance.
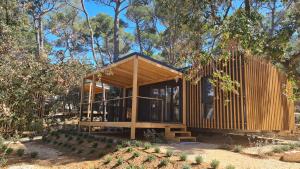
(259, 105)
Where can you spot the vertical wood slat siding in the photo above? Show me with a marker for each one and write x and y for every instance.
(260, 104)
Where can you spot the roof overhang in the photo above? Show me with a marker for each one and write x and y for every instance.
(120, 73)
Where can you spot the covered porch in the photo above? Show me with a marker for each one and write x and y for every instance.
(134, 92)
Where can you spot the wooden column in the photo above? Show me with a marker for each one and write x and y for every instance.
(93, 96)
(81, 99)
(183, 101)
(134, 97)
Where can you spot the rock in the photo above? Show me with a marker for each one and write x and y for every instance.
(291, 157)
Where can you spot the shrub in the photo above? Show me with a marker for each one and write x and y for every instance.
(292, 146)
(118, 147)
(150, 158)
(108, 160)
(126, 143)
(95, 145)
(129, 149)
(285, 148)
(147, 146)
(136, 143)
(237, 148)
(9, 151)
(4, 147)
(183, 157)
(199, 159)
(214, 164)
(136, 154)
(34, 154)
(163, 162)
(20, 152)
(186, 166)
(230, 167)
(157, 150)
(169, 153)
(109, 145)
(277, 150)
(120, 161)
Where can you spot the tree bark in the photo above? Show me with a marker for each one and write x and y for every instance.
(91, 32)
(247, 7)
(116, 31)
(138, 33)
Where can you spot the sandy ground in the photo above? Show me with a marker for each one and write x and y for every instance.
(240, 161)
(52, 158)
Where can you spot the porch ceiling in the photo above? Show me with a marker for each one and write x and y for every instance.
(121, 73)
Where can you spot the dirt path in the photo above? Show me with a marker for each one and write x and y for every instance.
(210, 152)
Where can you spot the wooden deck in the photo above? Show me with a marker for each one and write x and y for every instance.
(128, 124)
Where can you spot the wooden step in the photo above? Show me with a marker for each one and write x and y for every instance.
(186, 139)
(182, 133)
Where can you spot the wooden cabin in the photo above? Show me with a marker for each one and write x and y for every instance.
(140, 92)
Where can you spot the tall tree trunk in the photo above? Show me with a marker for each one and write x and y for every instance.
(247, 7)
(41, 40)
(116, 31)
(91, 31)
(138, 32)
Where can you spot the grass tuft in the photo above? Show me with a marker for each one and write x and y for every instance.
(183, 156)
(214, 164)
(199, 159)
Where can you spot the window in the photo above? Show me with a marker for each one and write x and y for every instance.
(207, 97)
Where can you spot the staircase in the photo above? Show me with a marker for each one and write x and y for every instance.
(179, 134)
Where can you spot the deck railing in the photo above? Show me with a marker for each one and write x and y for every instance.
(119, 110)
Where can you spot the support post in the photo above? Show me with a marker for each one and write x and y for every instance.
(81, 100)
(90, 100)
(93, 96)
(183, 101)
(134, 97)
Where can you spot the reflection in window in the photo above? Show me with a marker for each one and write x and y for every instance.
(207, 97)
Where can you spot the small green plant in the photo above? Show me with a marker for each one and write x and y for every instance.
(186, 166)
(292, 146)
(108, 145)
(285, 148)
(237, 148)
(120, 160)
(199, 159)
(108, 160)
(157, 150)
(214, 164)
(129, 149)
(163, 162)
(20, 152)
(126, 143)
(118, 147)
(150, 158)
(147, 146)
(277, 150)
(183, 156)
(136, 154)
(230, 167)
(34, 154)
(9, 151)
(169, 153)
(95, 145)
(3, 148)
(137, 143)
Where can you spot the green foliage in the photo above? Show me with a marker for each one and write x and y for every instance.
(163, 162)
(214, 164)
(147, 146)
(157, 150)
(108, 160)
(20, 152)
(237, 148)
(9, 151)
(136, 154)
(183, 156)
(169, 153)
(120, 160)
(129, 149)
(186, 166)
(199, 159)
(230, 167)
(150, 158)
